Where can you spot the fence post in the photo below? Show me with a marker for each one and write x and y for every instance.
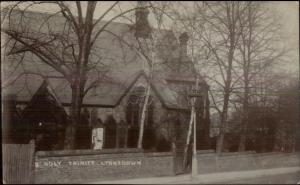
(174, 156)
(32, 161)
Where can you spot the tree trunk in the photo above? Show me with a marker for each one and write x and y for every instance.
(70, 136)
(246, 57)
(246, 70)
(227, 88)
(223, 119)
(145, 105)
(242, 144)
(220, 140)
(220, 143)
(75, 114)
(193, 118)
(188, 135)
(142, 121)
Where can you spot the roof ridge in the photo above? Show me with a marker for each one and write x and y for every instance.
(76, 16)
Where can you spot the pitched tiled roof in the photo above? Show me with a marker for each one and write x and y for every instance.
(124, 65)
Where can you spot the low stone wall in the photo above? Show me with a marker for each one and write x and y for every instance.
(208, 162)
(83, 166)
(87, 166)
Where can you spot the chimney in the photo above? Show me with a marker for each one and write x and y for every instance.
(183, 39)
(142, 27)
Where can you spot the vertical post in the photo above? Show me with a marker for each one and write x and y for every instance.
(32, 161)
(118, 135)
(126, 135)
(194, 159)
(90, 127)
(188, 135)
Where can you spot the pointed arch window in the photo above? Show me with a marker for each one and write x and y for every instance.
(133, 114)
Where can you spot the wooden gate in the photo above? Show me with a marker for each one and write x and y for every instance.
(18, 163)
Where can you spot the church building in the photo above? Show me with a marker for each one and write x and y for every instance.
(111, 109)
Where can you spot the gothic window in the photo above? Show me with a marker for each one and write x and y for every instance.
(135, 106)
(133, 115)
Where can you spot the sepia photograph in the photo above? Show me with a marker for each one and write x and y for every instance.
(150, 92)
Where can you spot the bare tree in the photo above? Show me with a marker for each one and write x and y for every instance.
(68, 50)
(148, 48)
(221, 37)
(188, 20)
(259, 49)
(218, 33)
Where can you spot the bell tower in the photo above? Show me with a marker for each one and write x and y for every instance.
(142, 26)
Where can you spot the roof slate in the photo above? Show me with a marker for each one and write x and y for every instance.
(124, 65)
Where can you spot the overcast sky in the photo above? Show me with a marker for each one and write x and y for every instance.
(288, 11)
(290, 28)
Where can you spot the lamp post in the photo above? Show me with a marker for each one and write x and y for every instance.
(194, 95)
(194, 161)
